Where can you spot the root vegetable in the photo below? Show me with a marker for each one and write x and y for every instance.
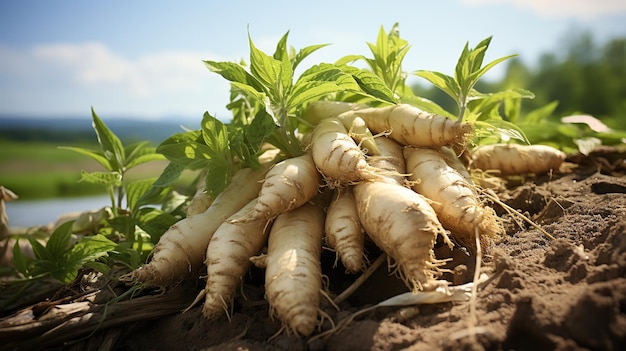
(320, 110)
(337, 156)
(182, 247)
(228, 259)
(515, 159)
(293, 274)
(411, 126)
(453, 161)
(391, 159)
(454, 199)
(357, 130)
(344, 232)
(289, 184)
(403, 224)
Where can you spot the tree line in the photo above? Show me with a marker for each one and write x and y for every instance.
(584, 77)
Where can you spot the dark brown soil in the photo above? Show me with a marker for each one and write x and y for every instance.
(566, 293)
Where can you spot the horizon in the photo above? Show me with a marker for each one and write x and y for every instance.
(144, 59)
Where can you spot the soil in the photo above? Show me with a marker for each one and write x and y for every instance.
(565, 293)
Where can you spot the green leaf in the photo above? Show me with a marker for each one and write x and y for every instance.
(153, 196)
(94, 154)
(264, 67)
(349, 59)
(215, 136)
(235, 73)
(39, 250)
(186, 149)
(218, 177)
(124, 225)
(111, 145)
(155, 222)
(21, 262)
(475, 76)
(103, 178)
(541, 113)
(135, 191)
(309, 90)
(140, 153)
(442, 81)
(148, 157)
(59, 241)
(373, 86)
(169, 175)
(281, 48)
(88, 249)
(249, 91)
(303, 53)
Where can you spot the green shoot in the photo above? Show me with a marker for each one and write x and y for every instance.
(60, 258)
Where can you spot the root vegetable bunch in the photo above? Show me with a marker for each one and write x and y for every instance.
(405, 194)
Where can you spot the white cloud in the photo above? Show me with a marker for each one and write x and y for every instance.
(70, 76)
(584, 9)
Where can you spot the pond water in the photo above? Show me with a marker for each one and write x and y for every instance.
(28, 213)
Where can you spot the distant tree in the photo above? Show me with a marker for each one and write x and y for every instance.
(582, 76)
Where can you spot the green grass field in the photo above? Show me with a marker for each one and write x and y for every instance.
(42, 170)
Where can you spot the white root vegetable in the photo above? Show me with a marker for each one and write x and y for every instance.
(453, 161)
(344, 232)
(293, 276)
(358, 131)
(403, 224)
(228, 259)
(391, 160)
(337, 156)
(289, 184)
(515, 159)
(200, 202)
(320, 110)
(454, 199)
(181, 249)
(411, 126)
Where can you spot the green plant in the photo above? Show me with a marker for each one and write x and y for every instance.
(62, 256)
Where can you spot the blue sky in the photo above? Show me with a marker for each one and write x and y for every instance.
(144, 58)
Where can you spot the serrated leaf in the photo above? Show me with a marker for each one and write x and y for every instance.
(215, 136)
(349, 59)
(262, 125)
(136, 190)
(249, 91)
(94, 154)
(281, 48)
(216, 180)
(147, 157)
(442, 81)
(303, 53)
(371, 84)
(103, 178)
(88, 249)
(124, 225)
(310, 90)
(59, 241)
(475, 76)
(235, 73)
(541, 113)
(155, 222)
(169, 175)
(111, 145)
(264, 67)
(21, 262)
(39, 250)
(186, 149)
